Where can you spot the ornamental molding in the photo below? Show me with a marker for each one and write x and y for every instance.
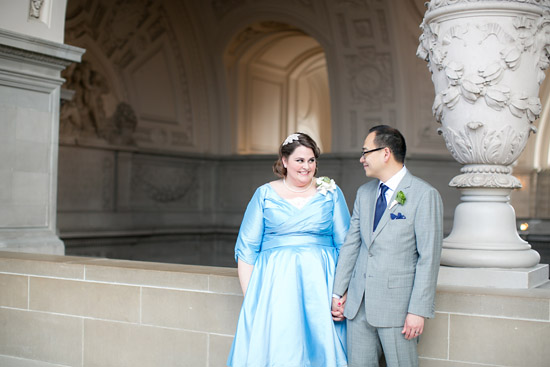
(487, 180)
(437, 4)
(165, 184)
(476, 144)
(371, 77)
(36, 8)
(531, 36)
(7, 51)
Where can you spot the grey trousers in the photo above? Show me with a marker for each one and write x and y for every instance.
(368, 344)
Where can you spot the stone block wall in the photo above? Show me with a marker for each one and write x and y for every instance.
(80, 312)
(69, 311)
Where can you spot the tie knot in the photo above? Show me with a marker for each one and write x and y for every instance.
(383, 189)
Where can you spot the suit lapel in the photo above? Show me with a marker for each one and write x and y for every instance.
(403, 186)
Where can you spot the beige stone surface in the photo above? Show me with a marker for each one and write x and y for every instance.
(225, 284)
(494, 305)
(44, 337)
(36, 264)
(98, 300)
(14, 291)
(148, 277)
(218, 350)
(443, 363)
(499, 341)
(434, 341)
(112, 344)
(6, 361)
(198, 311)
(32, 156)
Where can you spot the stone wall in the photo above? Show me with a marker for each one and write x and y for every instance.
(186, 208)
(68, 311)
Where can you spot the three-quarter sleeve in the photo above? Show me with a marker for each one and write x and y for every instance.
(251, 232)
(340, 218)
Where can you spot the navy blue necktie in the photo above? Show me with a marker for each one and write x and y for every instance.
(381, 205)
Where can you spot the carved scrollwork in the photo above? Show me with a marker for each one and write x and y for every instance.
(371, 77)
(166, 185)
(476, 144)
(489, 180)
(36, 8)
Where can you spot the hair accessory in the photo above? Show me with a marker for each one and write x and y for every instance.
(291, 138)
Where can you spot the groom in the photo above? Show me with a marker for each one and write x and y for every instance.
(388, 265)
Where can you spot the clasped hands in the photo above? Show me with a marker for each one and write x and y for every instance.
(338, 307)
(414, 324)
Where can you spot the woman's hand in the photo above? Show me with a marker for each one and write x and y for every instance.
(338, 305)
(245, 272)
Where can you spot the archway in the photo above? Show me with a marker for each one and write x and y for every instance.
(278, 84)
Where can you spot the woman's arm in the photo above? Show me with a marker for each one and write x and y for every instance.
(245, 272)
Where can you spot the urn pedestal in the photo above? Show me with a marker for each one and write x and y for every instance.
(487, 60)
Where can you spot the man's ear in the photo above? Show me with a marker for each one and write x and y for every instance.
(387, 154)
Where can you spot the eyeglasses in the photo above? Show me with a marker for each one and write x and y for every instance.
(365, 152)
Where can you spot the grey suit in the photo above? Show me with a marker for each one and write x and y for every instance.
(392, 271)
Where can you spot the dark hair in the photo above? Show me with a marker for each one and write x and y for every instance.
(285, 150)
(387, 136)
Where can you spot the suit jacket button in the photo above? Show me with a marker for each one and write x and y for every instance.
(370, 255)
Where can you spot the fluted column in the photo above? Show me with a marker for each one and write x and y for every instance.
(487, 60)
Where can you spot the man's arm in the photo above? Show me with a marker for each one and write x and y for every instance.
(429, 239)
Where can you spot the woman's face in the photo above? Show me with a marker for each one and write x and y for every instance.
(300, 166)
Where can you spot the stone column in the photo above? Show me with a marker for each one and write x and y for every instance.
(30, 84)
(487, 60)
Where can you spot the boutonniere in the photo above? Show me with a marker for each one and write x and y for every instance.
(325, 184)
(400, 198)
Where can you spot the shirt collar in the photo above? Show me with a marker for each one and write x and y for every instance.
(395, 180)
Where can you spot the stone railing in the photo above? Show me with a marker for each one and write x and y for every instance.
(69, 311)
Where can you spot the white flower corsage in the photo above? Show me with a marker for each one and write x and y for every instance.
(325, 184)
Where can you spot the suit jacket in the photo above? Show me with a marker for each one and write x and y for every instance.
(394, 268)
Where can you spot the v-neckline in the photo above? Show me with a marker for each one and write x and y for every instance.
(311, 198)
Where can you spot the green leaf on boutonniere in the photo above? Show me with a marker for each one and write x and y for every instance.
(401, 198)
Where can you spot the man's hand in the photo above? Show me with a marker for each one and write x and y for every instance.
(414, 326)
(338, 308)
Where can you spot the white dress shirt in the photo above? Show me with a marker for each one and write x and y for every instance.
(392, 184)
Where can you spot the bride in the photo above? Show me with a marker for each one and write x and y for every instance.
(286, 252)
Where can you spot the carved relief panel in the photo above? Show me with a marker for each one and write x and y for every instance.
(133, 88)
(367, 77)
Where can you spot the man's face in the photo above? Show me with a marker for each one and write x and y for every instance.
(373, 162)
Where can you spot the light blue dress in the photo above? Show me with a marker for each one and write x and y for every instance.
(285, 319)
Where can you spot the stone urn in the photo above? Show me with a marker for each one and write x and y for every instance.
(487, 60)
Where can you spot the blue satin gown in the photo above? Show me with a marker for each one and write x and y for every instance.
(285, 318)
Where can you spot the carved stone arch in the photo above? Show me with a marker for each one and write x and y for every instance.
(235, 23)
(278, 85)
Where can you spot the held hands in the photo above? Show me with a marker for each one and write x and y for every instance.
(414, 326)
(338, 308)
